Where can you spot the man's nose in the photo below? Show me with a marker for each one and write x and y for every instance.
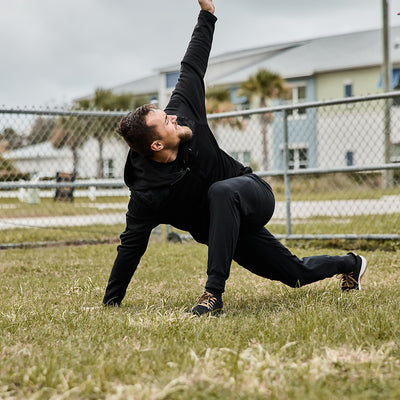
(173, 118)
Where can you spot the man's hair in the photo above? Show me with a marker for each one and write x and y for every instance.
(137, 134)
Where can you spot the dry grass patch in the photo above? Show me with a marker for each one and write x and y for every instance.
(273, 342)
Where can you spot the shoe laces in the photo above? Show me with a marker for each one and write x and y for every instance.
(348, 280)
(207, 300)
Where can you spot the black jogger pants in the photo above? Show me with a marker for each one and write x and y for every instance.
(240, 207)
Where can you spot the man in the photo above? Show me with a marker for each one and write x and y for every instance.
(178, 175)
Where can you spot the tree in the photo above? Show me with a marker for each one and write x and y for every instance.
(41, 130)
(218, 100)
(102, 128)
(8, 172)
(74, 131)
(68, 135)
(264, 85)
(10, 138)
(106, 100)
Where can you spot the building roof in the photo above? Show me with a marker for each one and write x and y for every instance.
(291, 60)
(146, 85)
(331, 53)
(231, 56)
(229, 63)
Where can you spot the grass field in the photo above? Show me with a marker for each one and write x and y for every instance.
(272, 342)
(15, 214)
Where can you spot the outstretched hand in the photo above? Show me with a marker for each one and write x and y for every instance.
(207, 5)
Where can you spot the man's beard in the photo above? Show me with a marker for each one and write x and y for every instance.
(186, 134)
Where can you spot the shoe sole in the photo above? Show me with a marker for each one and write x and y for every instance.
(362, 270)
(213, 313)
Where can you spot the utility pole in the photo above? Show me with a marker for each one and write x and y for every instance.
(387, 86)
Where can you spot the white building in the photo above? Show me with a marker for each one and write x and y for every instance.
(45, 160)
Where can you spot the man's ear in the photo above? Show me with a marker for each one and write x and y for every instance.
(156, 145)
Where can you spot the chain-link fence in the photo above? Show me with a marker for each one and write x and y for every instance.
(334, 167)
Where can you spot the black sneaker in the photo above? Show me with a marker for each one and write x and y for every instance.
(352, 280)
(208, 303)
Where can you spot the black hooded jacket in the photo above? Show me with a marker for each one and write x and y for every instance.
(174, 193)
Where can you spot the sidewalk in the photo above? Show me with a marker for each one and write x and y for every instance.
(339, 208)
(80, 220)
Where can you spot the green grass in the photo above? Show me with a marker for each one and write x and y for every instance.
(272, 342)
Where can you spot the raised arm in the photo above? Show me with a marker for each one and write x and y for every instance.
(188, 98)
(207, 5)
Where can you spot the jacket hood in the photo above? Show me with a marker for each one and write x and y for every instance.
(143, 173)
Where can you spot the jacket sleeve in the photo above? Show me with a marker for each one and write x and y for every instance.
(188, 97)
(134, 241)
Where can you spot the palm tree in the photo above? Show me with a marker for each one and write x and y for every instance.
(10, 139)
(102, 128)
(70, 134)
(264, 85)
(7, 170)
(218, 100)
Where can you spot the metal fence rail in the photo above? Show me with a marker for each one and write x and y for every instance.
(334, 167)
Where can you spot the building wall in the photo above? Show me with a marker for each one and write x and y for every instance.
(302, 131)
(331, 138)
(352, 129)
(244, 144)
(330, 85)
(45, 167)
(113, 149)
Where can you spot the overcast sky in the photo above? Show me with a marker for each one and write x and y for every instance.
(53, 51)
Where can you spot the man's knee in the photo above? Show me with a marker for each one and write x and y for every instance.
(220, 190)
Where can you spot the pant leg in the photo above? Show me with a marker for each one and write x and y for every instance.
(241, 203)
(261, 253)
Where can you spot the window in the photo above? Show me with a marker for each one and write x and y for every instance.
(240, 103)
(171, 79)
(350, 158)
(298, 158)
(242, 156)
(301, 93)
(395, 153)
(108, 168)
(395, 83)
(246, 157)
(348, 89)
(298, 94)
(153, 100)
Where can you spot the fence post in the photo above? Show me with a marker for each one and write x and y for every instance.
(387, 86)
(387, 174)
(285, 173)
